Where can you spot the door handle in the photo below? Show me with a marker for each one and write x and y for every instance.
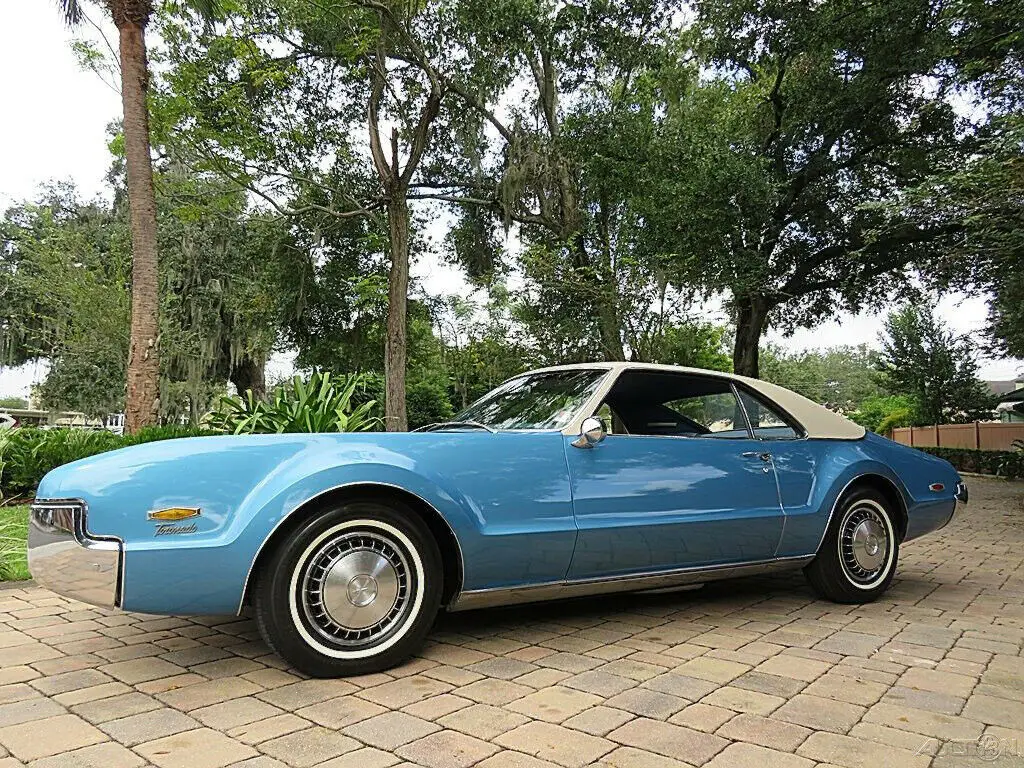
(757, 454)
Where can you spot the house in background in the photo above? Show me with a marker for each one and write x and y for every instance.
(1009, 400)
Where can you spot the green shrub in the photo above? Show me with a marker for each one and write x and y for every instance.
(13, 532)
(1008, 464)
(427, 402)
(31, 453)
(27, 454)
(324, 403)
(165, 432)
(882, 413)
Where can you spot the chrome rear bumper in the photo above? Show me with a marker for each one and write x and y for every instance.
(65, 558)
(961, 495)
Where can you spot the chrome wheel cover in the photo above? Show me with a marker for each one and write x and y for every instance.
(354, 588)
(866, 544)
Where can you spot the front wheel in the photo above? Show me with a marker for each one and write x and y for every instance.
(857, 558)
(353, 590)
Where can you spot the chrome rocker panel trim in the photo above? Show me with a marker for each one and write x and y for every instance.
(560, 590)
(64, 557)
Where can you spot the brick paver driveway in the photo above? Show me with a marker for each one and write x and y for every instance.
(743, 673)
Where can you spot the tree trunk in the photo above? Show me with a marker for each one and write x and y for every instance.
(604, 293)
(751, 317)
(608, 325)
(250, 374)
(142, 399)
(395, 419)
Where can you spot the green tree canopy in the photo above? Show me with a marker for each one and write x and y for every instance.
(841, 378)
(934, 366)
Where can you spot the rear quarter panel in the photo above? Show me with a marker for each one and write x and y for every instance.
(814, 473)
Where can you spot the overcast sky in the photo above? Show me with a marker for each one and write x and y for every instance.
(54, 128)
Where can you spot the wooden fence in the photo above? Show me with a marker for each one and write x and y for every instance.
(980, 435)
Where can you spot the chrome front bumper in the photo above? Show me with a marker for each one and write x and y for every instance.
(64, 557)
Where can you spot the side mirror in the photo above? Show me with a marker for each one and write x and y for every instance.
(591, 433)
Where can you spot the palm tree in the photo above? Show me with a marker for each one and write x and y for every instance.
(142, 398)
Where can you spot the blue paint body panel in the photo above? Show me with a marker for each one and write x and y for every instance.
(505, 496)
(813, 473)
(525, 507)
(656, 503)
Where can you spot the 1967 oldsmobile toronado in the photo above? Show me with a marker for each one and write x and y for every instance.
(574, 480)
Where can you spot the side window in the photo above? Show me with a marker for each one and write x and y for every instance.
(658, 403)
(715, 412)
(766, 421)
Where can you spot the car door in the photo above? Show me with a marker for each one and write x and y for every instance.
(797, 462)
(680, 482)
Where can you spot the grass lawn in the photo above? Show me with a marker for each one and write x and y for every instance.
(13, 531)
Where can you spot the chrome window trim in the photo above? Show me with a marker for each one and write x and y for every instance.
(79, 509)
(591, 404)
(325, 491)
(800, 429)
(650, 580)
(743, 408)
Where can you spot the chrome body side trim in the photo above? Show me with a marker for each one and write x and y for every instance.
(490, 598)
(368, 484)
(64, 557)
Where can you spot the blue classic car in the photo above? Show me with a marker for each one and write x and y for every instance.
(574, 480)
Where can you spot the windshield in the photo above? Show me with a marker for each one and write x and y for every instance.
(534, 401)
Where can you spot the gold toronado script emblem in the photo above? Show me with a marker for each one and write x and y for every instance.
(173, 514)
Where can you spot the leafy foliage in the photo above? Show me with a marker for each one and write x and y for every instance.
(800, 144)
(987, 194)
(30, 453)
(938, 368)
(13, 532)
(27, 454)
(63, 276)
(841, 378)
(323, 403)
(224, 275)
(616, 160)
(882, 413)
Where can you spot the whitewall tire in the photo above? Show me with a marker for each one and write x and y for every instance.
(857, 558)
(352, 590)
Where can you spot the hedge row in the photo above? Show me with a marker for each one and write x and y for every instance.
(1008, 464)
(27, 454)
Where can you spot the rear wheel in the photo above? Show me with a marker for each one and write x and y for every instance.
(352, 590)
(857, 559)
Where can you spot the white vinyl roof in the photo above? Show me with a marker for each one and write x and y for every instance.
(817, 421)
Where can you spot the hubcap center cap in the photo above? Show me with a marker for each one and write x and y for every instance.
(869, 545)
(362, 590)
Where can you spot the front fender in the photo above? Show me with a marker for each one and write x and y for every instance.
(510, 485)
